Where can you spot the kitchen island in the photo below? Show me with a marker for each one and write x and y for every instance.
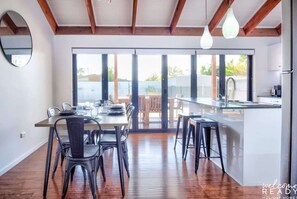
(250, 136)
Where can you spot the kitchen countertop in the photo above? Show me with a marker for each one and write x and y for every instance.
(230, 105)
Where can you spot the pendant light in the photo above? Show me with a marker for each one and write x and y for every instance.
(230, 27)
(206, 40)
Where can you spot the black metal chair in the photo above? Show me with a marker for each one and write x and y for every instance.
(52, 111)
(88, 156)
(206, 125)
(108, 139)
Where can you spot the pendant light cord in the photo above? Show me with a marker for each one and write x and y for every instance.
(206, 12)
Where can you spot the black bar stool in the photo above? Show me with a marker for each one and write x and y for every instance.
(185, 118)
(197, 125)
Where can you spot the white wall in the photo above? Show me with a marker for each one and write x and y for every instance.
(26, 92)
(263, 79)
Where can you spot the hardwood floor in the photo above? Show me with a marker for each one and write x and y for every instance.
(157, 171)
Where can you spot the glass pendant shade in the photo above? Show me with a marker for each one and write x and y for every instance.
(206, 39)
(230, 26)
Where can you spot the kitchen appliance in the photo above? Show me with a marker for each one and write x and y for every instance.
(276, 91)
(288, 160)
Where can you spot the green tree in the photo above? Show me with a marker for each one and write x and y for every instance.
(80, 72)
(232, 69)
(110, 74)
(153, 77)
(174, 71)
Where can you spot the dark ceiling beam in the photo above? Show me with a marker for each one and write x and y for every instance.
(9, 23)
(265, 9)
(158, 31)
(178, 10)
(279, 28)
(91, 15)
(220, 13)
(48, 14)
(134, 14)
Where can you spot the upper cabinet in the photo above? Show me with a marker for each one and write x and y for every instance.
(274, 57)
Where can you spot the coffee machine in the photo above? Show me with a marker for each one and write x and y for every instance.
(276, 91)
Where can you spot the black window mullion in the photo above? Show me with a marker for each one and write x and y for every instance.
(135, 91)
(74, 79)
(250, 78)
(164, 94)
(194, 76)
(104, 77)
(222, 75)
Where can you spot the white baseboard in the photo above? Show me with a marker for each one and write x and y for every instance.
(22, 157)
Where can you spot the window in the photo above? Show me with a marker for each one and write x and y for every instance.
(89, 76)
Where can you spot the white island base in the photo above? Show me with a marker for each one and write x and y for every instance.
(251, 142)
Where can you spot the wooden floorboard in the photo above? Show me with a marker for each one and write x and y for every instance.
(157, 171)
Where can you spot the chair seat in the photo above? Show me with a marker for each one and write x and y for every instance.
(90, 150)
(65, 138)
(108, 138)
(204, 119)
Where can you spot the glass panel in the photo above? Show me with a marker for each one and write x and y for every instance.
(149, 91)
(89, 75)
(120, 78)
(236, 71)
(207, 76)
(179, 85)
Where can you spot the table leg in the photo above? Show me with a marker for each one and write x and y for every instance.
(120, 152)
(48, 160)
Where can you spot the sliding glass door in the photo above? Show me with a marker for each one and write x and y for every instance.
(152, 82)
(120, 78)
(179, 85)
(149, 91)
(89, 78)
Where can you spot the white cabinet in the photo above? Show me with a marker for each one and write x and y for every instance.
(274, 57)
(270, 100)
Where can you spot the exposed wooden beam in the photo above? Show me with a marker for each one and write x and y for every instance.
(91, 15)
(265, 9)
(9, 23)
(279, 28)
(178, 10)
(220, 13)
(20, 31)
(158, 31)
(134, 14)
(48, 14)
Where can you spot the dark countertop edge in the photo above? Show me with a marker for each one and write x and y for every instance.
(230, 106)
(274, 97)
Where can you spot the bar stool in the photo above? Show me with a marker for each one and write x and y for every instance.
(198, 125)
(184, 117)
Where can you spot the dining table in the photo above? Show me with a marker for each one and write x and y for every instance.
(106, 121)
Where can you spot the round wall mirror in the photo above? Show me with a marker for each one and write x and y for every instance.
(15, 39)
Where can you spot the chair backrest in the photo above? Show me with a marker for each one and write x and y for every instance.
(141, 103)
(76, 127)
(128, 106)
(66, 106)
(155, 104)
(129, 118)
(52, 111)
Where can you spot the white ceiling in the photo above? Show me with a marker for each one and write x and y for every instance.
(155, 13)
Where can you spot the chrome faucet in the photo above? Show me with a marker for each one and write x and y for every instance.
(226, 88)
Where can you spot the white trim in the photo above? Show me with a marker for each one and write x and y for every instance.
(103, 51)
(22, 157)
(165, 51)
(226, 52)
